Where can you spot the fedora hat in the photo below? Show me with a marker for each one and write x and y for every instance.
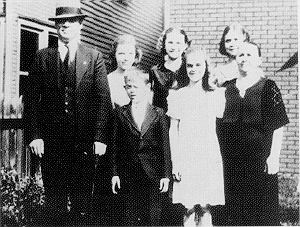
(68, 9)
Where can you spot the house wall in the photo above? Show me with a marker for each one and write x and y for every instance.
(273, 25)
(40, 10)
(108, 19)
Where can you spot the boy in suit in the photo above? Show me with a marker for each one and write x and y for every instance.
(141, 154)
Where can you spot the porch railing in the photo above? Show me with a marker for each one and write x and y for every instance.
(13, 152)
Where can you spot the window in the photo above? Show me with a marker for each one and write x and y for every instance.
(33, 36)
(28, 48)
(52, 40)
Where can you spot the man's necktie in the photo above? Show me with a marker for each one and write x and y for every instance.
(66, 60)
(68, 88)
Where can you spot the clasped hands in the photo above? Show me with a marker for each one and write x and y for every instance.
(163, 187)
(37, 147)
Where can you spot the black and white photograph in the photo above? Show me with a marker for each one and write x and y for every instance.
(149, 113)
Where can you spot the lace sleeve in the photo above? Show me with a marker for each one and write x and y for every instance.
(273, 108)
(276, 96)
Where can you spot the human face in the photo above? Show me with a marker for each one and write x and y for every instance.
(247, 58)
(175, 45)
(137, 91)
(233, 39)
(68, 29)
(195, 66)
(125, 56)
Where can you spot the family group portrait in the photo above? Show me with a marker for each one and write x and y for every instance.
(149, 113)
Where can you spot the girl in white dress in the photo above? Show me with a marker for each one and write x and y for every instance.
(196, 158)
(124, 56)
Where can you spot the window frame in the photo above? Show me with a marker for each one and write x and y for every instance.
(42, 30)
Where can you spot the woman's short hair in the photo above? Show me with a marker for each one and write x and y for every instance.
(202, 51)
(257, 46)
(161, 42)
(123, 39)
(233, 26)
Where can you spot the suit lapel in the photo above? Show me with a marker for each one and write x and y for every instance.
(128, 116)
(53, 56)
(82, 61)
(151, 114)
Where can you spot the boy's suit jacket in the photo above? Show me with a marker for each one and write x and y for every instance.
(148, 146)
(93, 103)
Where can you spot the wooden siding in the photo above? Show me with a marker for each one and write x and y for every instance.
(108, 19)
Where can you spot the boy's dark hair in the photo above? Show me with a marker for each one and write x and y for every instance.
(234, 26)
(123, 39)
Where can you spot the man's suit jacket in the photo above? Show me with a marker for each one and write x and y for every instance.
(148, 146)
(93, 103)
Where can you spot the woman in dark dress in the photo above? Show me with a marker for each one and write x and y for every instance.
(170, 73)
(223, 74)
(251, 125)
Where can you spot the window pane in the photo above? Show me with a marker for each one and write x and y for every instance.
(52, 41)
(23, 84)
(29, 46)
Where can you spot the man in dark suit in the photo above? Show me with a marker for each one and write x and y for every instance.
(70, 109)
(140, 154)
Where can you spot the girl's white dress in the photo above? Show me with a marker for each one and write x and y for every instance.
(197, 154)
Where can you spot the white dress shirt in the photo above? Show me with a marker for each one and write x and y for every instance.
(63, 49)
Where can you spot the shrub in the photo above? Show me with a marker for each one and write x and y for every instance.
(288, 201)
(21, 199)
